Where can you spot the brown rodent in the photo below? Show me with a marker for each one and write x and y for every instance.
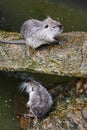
(40, 101)
(37, 33)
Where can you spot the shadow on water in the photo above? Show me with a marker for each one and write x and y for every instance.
(73, 14)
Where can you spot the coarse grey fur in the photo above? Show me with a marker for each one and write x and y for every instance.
(37, 33)
(40, 101)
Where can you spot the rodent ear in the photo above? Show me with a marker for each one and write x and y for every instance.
(46, 26)
(48, 17)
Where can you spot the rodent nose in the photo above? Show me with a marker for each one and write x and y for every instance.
(60, 26)
(28, 80)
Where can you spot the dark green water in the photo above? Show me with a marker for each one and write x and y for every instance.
(71, 13)
(8, 88)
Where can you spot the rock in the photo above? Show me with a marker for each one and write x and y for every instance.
(68, 59)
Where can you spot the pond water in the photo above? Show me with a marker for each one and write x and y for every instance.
(8, 89)
(71, 13)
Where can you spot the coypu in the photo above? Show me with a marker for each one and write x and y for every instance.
(40, 101)
(37, 33)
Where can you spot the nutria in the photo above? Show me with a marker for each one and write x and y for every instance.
(40, 101)
(37, 33)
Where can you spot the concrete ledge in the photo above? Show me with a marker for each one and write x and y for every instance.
(68, 59)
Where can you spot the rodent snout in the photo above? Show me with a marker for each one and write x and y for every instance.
(61, 26)
(28, 80)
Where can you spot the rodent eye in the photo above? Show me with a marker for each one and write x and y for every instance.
(46, 26)
(32, 89)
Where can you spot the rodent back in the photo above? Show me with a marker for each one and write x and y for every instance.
(41, 102)
(30, 27)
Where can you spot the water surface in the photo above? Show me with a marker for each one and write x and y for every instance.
(8, 88)
(72, 13)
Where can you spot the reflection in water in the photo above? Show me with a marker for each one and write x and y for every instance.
(73, 14)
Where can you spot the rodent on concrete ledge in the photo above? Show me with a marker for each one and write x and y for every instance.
(37, 33)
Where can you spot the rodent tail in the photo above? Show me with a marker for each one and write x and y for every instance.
(12, 42)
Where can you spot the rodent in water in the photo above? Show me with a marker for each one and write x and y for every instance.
(40, 101)
(37, 33)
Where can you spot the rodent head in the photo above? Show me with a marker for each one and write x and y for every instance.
(51, 29)
(31, 86)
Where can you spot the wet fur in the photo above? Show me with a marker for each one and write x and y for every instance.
(40, 101)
